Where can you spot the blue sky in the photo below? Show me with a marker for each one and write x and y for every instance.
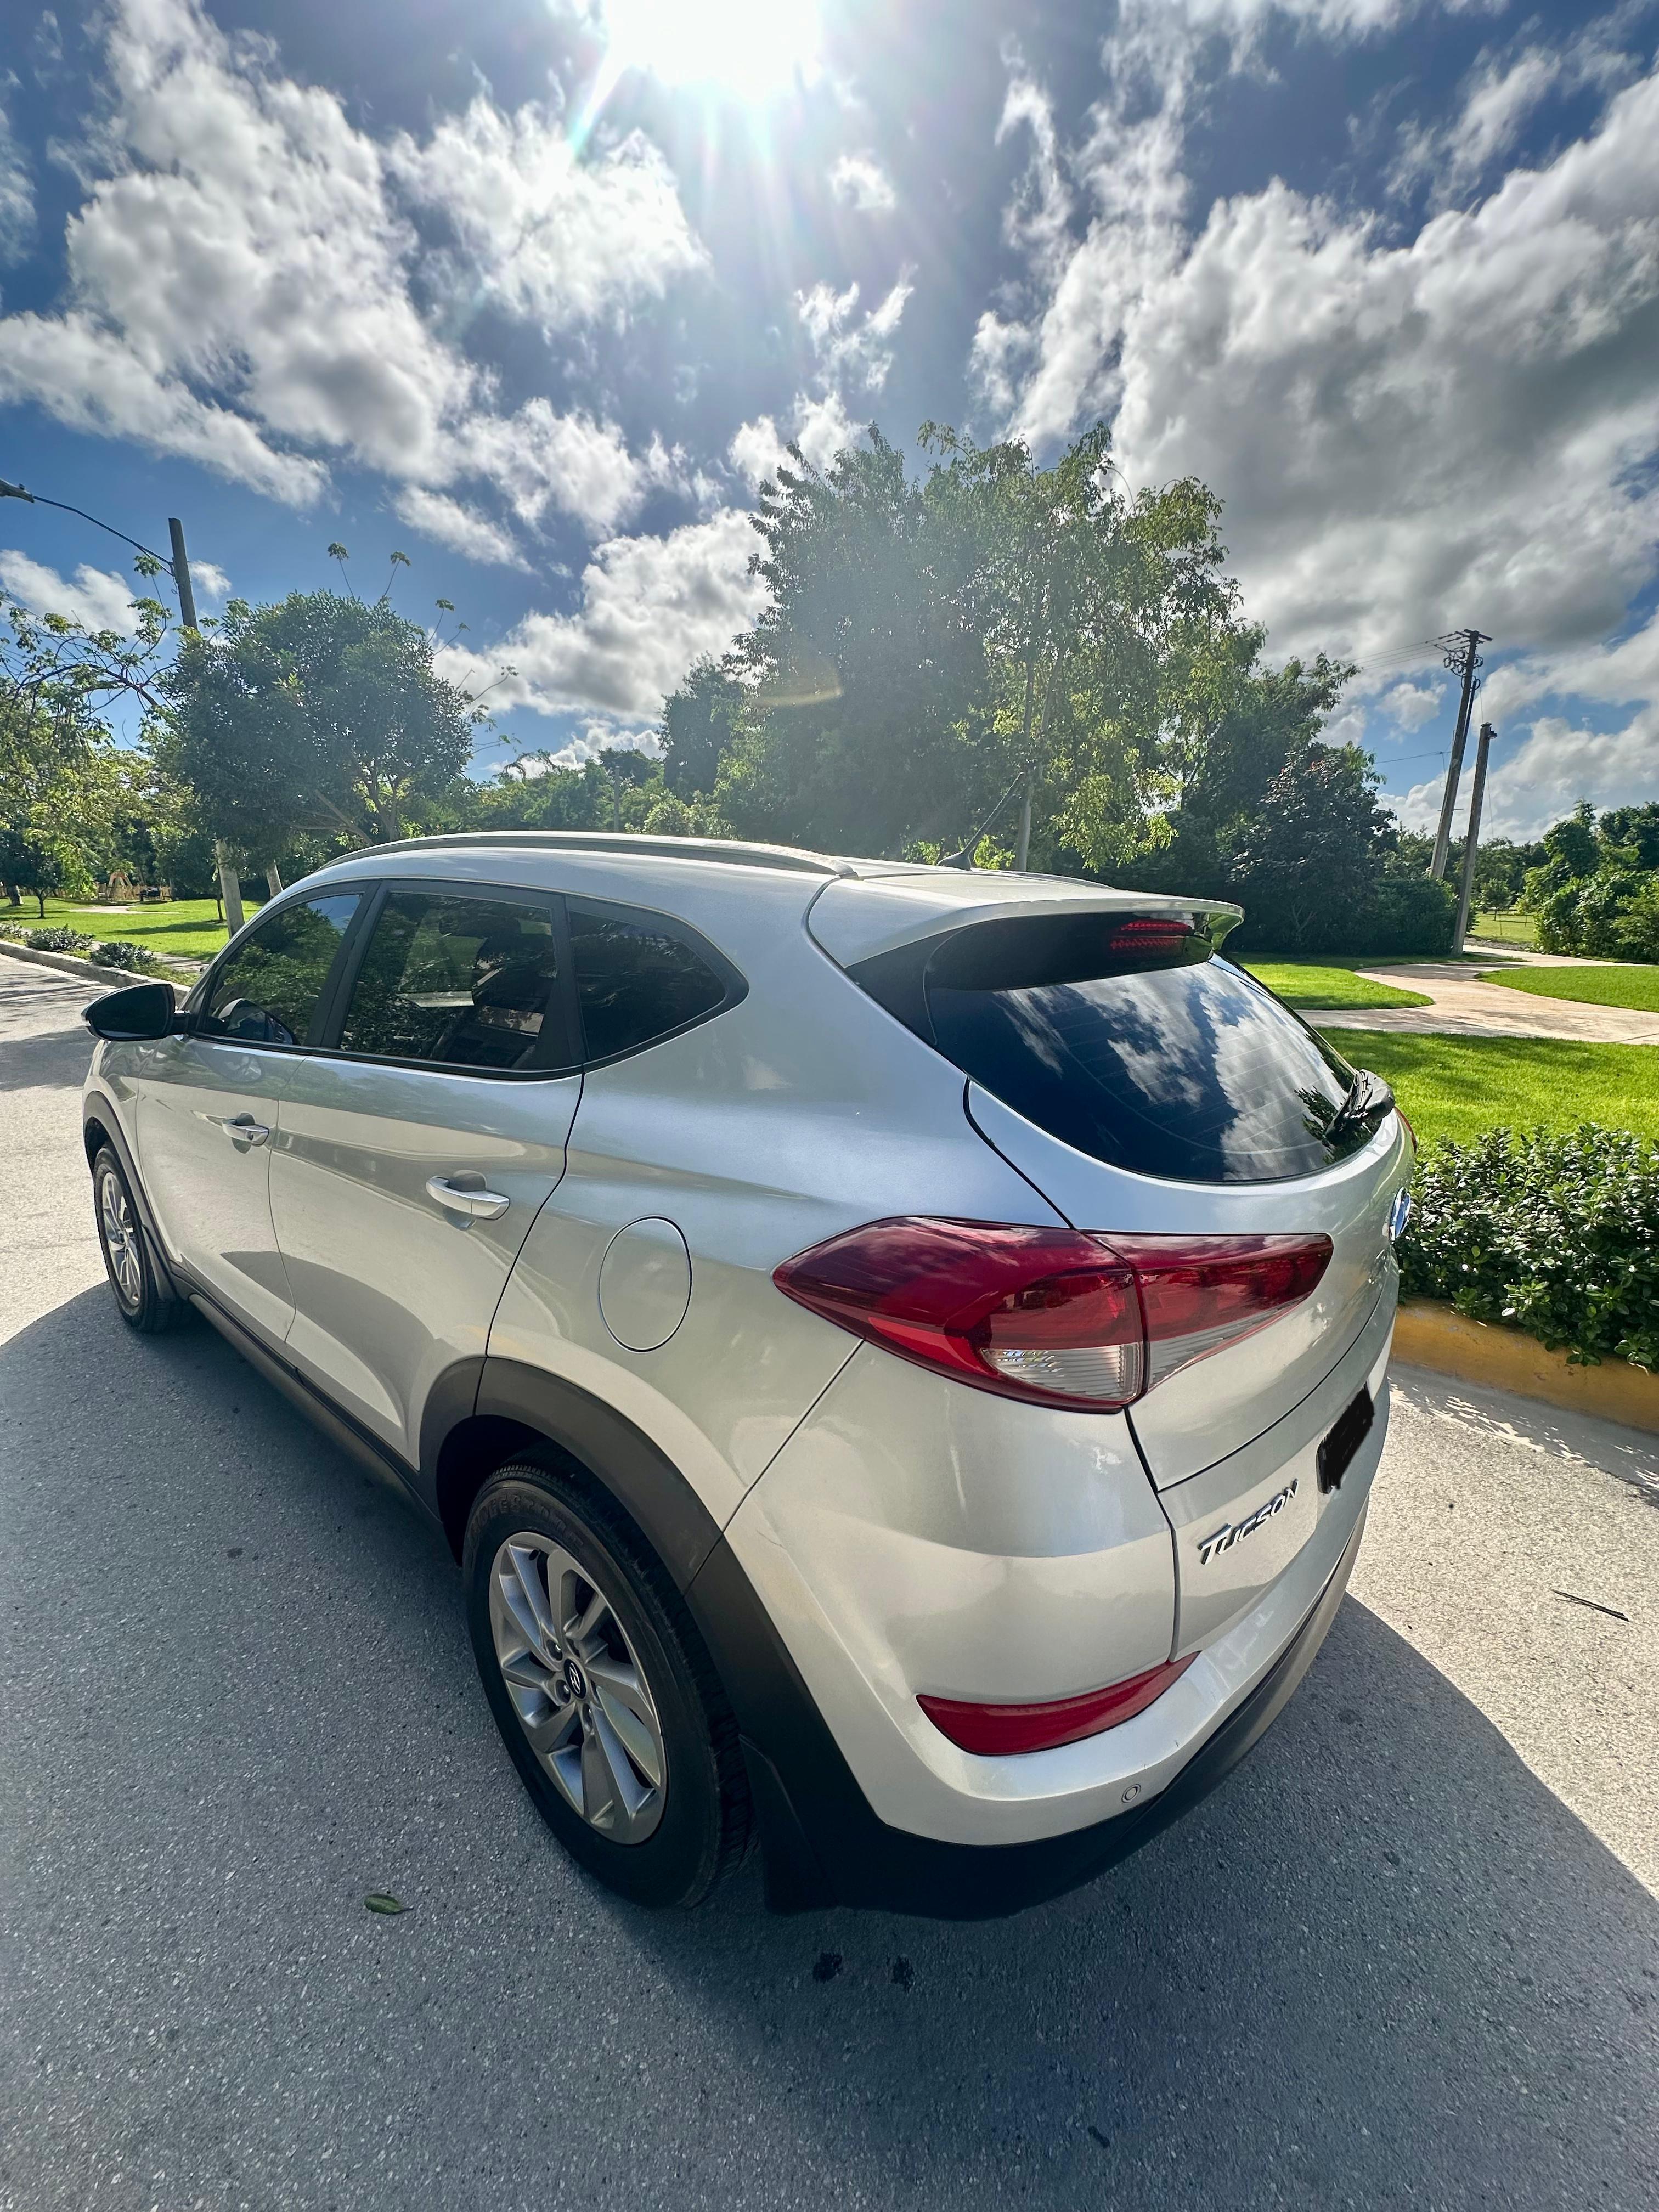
(532, 290)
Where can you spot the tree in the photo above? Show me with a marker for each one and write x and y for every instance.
(319, 712)
(64, 793)
(864, 680)
(1308, 865)
(700, 720)
(928, 642)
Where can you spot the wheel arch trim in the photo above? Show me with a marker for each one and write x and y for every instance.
(521, 1406)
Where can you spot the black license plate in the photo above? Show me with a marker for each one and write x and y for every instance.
(1352, 1428)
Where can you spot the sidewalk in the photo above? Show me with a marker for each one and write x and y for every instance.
(1464, 1005)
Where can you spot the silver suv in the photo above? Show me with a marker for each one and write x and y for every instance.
(899, 1354)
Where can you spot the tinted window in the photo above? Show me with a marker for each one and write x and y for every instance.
(636, 980)
(1191, 1071)
(268, 990)
(462, 981)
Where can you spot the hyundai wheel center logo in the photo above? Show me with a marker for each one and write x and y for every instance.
(573, 1675)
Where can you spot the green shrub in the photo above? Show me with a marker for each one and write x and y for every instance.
(57, 940)
(1558, 1235)
(1408, 913)
(122, 952)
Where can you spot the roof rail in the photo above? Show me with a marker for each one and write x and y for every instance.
(594, 841)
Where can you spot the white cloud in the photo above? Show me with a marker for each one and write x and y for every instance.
(1411, 705)
(649, 607)
(17, 197)
(551, 235)
(99, 598)
(90, 379)
(851, 348)
(756, 451)
(211, 584)
(239, 282)
(859, 180)
(820, 427)
(1501, 93)
(823, 428)
(474, 536)
(1559, 764)
(1461, 427)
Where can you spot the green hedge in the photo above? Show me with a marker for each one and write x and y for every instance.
(1558, 1235)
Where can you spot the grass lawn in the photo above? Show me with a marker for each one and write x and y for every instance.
(1455, 1086)
(1307, 983)
(1510, 928)
(188, 927)
(1630, 985)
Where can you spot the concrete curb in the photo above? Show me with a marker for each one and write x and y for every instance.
(115, 979)
(1427, 1335)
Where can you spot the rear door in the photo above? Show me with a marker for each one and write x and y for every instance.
(417, 1149)
(210, 1105)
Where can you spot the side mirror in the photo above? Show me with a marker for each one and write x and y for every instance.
(144, 1011)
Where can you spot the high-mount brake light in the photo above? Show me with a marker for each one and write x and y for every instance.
(994, 1731)
(1056, 1315)
(1154, 934)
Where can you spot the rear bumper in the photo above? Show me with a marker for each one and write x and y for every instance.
(822, 1844)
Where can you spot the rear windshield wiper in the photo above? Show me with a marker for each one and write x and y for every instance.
(1368, 1100)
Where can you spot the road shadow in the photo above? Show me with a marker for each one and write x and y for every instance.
(1630, 1455)
(1382, 1966)
(45, 1059)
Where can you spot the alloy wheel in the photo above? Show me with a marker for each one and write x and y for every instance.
(120, 1235)
(577, 1686)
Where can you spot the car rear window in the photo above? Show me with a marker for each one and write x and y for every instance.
(1135, 1044)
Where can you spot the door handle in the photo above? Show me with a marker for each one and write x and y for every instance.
(477, 1204)
(242, 1128)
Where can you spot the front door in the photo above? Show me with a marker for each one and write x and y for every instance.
(414, 1156)
(209, 1107)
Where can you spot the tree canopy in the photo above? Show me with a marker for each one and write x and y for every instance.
(321, 712)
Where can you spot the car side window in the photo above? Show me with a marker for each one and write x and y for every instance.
(639, 976)
(270, 990)
(461, 981)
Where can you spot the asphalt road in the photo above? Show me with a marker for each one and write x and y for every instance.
(1404, 1958)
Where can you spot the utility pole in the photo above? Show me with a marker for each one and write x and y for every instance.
(1481, 750)
(230, 889)
(1462, 651)
(186, 590)
(1023, 845)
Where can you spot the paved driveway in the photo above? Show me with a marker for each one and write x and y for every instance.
(1403, 1959)
(1463, 1004)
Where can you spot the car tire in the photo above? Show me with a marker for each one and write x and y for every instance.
(606, 1700)
(143, 1300)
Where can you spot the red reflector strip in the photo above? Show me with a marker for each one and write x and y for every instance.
(994, 1731)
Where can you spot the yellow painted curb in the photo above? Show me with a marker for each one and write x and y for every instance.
(1431, 1335)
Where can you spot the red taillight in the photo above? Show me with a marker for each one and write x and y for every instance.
(1054, 1314)
(1410, 1132)
(994, 1730)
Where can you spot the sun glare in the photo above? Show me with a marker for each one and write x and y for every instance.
(747, 47)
